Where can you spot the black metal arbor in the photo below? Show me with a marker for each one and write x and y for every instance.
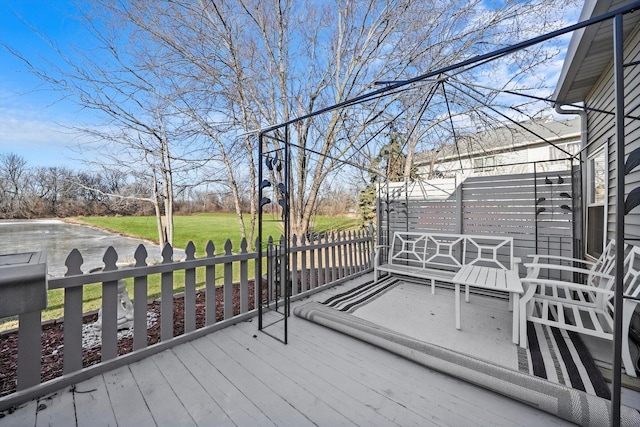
(275, 168)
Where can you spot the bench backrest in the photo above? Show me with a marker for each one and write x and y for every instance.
(451, 251)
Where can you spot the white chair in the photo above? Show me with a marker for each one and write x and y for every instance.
(584, 308)
(551, 264)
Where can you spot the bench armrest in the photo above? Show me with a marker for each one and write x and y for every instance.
(376, 257)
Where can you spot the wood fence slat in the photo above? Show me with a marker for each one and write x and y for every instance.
(305, 284)
(312, 264)
(190, 291)
(166, 297)
(244, 280)
(29, 349)
(228, 283)
(72, 329)
(210, 285)
(73, 317)
(140, 292)
(110, 304)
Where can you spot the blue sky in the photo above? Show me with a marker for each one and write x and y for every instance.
(33, 120)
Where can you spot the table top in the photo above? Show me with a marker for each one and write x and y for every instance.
(489, 278)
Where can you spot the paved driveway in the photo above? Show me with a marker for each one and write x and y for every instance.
(59, 238)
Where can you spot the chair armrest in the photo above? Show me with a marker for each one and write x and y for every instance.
(567, 268)
(530, 289)
(534, 282)
(538, 257)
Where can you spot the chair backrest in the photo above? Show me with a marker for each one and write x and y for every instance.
(632, 273)
(631, 281)
(606, 264)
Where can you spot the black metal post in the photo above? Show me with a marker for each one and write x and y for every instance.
(618, 71)
(259, 248)
(535, 200)
(287, 231)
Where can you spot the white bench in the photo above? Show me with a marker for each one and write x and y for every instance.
(584, 308)
(439, 256)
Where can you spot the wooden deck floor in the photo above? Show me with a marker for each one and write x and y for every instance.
(239, 376)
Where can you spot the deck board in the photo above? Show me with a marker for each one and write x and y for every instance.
(129, 406)
(272, 373)
(235, 405)
(239, 376)
(201, 407)
(276, 409)
(319, 378)
(416, 391)
(57, 409)
(164, 405)
(322, 374)
(25, 415)
(90, 407)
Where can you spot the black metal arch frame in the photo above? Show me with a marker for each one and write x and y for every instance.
(275, 154)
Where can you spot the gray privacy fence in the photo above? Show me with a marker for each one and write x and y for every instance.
(207, 285)
(536, 209)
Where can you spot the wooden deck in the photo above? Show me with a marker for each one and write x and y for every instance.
(240, 376)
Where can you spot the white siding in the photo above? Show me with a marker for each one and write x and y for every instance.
(601, 127)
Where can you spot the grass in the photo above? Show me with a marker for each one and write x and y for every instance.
(204, 227)
(197, 228)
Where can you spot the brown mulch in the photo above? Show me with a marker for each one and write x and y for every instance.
(53, 337)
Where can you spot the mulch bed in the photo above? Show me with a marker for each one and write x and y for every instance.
(53, 337)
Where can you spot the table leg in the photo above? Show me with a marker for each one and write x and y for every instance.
(466, 293)
(457, 306)
(516, 317)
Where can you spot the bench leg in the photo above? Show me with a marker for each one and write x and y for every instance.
(433, 287)
(514, 300)
(458, 306)
(466, 293)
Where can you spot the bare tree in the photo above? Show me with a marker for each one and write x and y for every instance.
(138, 130)
(190, 83)
(13, 179)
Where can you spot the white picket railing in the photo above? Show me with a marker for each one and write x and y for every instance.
(318, 262)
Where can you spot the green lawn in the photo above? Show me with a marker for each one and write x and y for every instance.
(204, 227)
(197, 228)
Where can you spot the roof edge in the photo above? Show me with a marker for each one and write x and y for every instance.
(578, 48)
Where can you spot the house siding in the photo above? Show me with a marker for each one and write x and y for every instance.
(601, 128)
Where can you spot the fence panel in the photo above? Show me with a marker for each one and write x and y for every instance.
(327, 258)
(533, 208)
